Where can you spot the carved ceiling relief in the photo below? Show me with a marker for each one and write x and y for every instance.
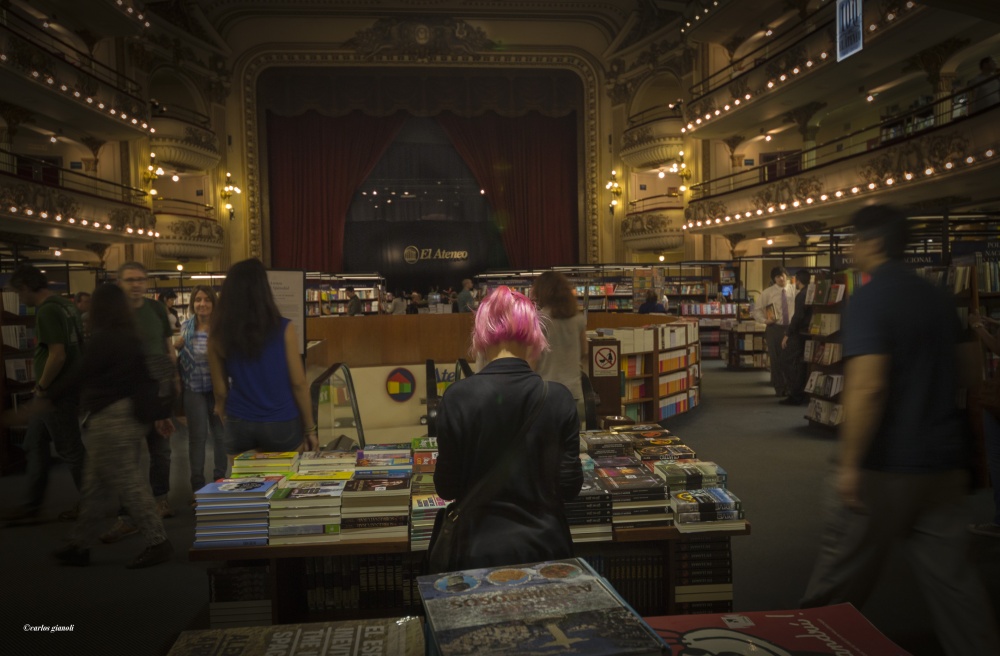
(420, 38)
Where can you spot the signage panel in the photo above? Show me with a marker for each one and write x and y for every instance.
(850, 28)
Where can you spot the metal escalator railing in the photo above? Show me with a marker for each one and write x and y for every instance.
(335, 409)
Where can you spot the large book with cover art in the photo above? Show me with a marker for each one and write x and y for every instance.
(554, 607)
(838, 629)
(374, 637)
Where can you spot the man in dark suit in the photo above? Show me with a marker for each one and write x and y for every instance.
(793, 344)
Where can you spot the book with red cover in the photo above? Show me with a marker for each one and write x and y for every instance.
(838, 629)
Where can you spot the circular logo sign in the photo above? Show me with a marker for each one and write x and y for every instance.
(400, 384)
(411, 255)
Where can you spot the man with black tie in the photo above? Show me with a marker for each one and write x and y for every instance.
(776, 308)
(793, 344)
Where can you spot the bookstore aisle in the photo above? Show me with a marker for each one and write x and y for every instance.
(775, 463)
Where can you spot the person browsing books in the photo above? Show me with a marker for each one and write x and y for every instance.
(478, 421)
(566, 331)
(904, 450)
(776, 308)
(112, 369)
(793, 344)
(258, 378)
(198, 398)
(652, 305)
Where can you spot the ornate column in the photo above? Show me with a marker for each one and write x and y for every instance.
(931, 61)
(802, 117)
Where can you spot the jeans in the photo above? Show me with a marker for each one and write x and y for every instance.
(262, 435)
(61, 426)
(991, 431)
(199, 407)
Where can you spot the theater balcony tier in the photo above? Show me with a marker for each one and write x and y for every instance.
(72, 207)
(802, 69)
(931, 163)
(652, 143)
(74, 89)
(653, 230)
(184, 142)
(187, 230)
(102, 17)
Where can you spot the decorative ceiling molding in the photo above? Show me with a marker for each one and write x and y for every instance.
(258, 62)
(420, 38)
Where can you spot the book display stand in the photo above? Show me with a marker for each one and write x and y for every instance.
(18, 380)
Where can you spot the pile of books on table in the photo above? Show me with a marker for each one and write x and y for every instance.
(253, 464)
(375, 509)
(589, 515)
(707, 509)
(233, 512)
(306, 512)
(638, 498)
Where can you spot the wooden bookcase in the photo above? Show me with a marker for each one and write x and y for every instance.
(18, 379)
(743, 345)
(660, 377)
(824, 349)
(326, 294)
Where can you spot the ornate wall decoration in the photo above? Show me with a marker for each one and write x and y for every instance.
(915, 156)
(204, 230)
(251, 70)
(138, 217)
(201, 138)
(38, 197)
(637, 136)
(420, 38)
(705, 210)
(787, 191)
(653, 230)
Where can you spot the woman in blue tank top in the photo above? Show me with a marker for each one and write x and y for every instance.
(258, 378)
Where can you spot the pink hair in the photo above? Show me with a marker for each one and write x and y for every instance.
(508, 316)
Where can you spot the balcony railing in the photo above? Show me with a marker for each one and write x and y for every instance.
(163, 110)
(48, 42)
(180, 207)
(669, 201)
(46, 173)
(888, 131)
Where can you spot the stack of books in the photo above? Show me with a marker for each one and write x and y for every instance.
(306, 512)
(589, 515)
(239, 596)
(384, 461)
(424, 509)
(375, 509)
(702, 572)
(602, 444)
(707, 509)
(338, 464)
(693, 475)
(253, 464)
(425, 454)
(638, 498)
(233, 512)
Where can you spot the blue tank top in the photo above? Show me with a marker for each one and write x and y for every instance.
(261, 389)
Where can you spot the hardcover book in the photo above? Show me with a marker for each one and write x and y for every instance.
(232, 490)
(377, 487)
(838, 629)
(373, 637)
(557, 607)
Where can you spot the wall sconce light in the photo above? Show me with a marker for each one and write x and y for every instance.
(615, 189)
(227, 193)
(151, 174)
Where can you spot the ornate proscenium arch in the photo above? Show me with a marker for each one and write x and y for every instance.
(402, 54)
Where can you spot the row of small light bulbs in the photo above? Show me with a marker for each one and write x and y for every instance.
(872, 186)
(773, 84)
(88, 99)
(697, 17)
(97, 225)
(121, 3)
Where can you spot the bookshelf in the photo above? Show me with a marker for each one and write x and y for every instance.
(743, 345)
(326, 294)
(17, 353)
(826, 297)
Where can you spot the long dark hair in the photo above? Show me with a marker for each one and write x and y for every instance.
(246, 315)
(553, 293)
(110, 310)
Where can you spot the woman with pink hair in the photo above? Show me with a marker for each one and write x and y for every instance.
(479, 428)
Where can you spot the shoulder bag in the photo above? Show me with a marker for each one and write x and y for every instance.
(448, 541)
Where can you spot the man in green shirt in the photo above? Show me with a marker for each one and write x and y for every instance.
(58, 343)
(156, 336)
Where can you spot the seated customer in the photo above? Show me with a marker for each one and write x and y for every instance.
(652, 305)
(478, 425)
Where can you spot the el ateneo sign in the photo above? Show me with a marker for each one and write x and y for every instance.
(413, 254)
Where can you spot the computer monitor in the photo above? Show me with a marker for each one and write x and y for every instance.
(727, 291)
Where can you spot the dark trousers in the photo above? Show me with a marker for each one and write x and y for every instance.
(773, 335)
(59, 426)
(796, 369)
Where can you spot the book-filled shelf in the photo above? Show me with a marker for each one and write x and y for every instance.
(825, 298)
(343, 534)
(17, 328)
(743, 345)
(327, 295)
(660, 370)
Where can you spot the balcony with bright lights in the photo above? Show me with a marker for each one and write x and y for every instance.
(188, 230)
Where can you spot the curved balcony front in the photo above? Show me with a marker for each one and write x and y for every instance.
(186, 230)
(652, 143)
(185, 145)
(656, 230)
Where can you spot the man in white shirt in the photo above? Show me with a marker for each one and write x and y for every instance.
(776, 307)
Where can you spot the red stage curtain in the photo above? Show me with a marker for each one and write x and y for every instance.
(528, 167)
(316, 164)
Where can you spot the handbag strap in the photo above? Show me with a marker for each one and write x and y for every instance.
(487, 487)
